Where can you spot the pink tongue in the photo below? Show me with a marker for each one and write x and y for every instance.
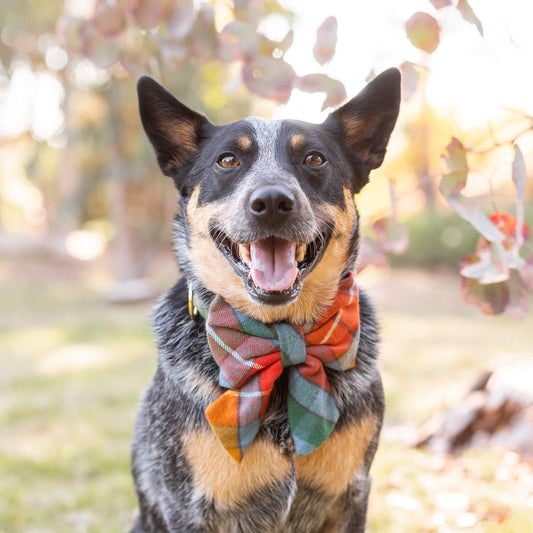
(272, 267)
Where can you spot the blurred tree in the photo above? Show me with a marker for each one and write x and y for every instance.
(104, 170)
(206, 52)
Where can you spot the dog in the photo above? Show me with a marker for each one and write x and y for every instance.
(267, 233)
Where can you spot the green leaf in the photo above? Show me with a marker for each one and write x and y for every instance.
(326, 41)
(468, 14)
(423, 31)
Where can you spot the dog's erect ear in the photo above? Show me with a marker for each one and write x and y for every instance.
(366, 122)
(173, 129)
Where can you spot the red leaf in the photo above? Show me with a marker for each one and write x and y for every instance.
(110, 20)
(316, 83)
(252, 11)
(136, 61)
(410, 79)
(371, 254)
(455, 160)
(517, 307)
(204, 34)
(391, 235)
(286, 42)
(270, 78)
(174, 53)
(181, 19)
(148, 13)
(313, 83)
(238, 41)
(102, 51)
(70, 31)
(468, 14)
(507, 225)
(486, 266)
(326, 41)
(491, 299)
(439, 4)
(526, 272)
(423, 31)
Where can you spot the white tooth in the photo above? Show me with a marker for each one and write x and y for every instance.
(244, 253)
(300, 252)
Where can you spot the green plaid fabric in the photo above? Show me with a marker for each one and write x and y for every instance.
(252, 355)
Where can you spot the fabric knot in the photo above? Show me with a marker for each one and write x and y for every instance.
(291, 344)
(252, 356)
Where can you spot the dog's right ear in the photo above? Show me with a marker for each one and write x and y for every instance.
(173, 129)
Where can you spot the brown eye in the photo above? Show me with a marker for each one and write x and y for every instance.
(228, 161)
(314, 159)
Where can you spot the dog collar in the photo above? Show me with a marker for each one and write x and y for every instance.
(193, 309)
(252, 356)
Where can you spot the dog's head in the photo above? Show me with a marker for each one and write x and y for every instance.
(267, 216)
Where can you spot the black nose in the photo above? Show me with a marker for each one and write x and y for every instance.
(271, 203)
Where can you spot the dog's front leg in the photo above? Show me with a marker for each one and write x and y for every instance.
(355, 518)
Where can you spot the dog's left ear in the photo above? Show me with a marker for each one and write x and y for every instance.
(366, 122)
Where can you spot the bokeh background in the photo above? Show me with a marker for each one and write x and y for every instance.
(85, 237)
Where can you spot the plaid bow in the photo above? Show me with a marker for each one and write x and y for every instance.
(252, 355)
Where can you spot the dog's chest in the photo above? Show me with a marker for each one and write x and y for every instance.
(266, 468)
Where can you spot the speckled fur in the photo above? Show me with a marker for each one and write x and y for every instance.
(180, 491)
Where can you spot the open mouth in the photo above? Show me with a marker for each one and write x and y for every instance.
(272, 268)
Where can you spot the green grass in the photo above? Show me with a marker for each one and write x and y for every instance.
(73, 368)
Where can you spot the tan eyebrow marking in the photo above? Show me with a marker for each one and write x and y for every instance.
(244, 143)
(297, 141)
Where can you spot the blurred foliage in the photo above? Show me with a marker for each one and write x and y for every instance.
(96, 171)
(437, 239)
(498, 275)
